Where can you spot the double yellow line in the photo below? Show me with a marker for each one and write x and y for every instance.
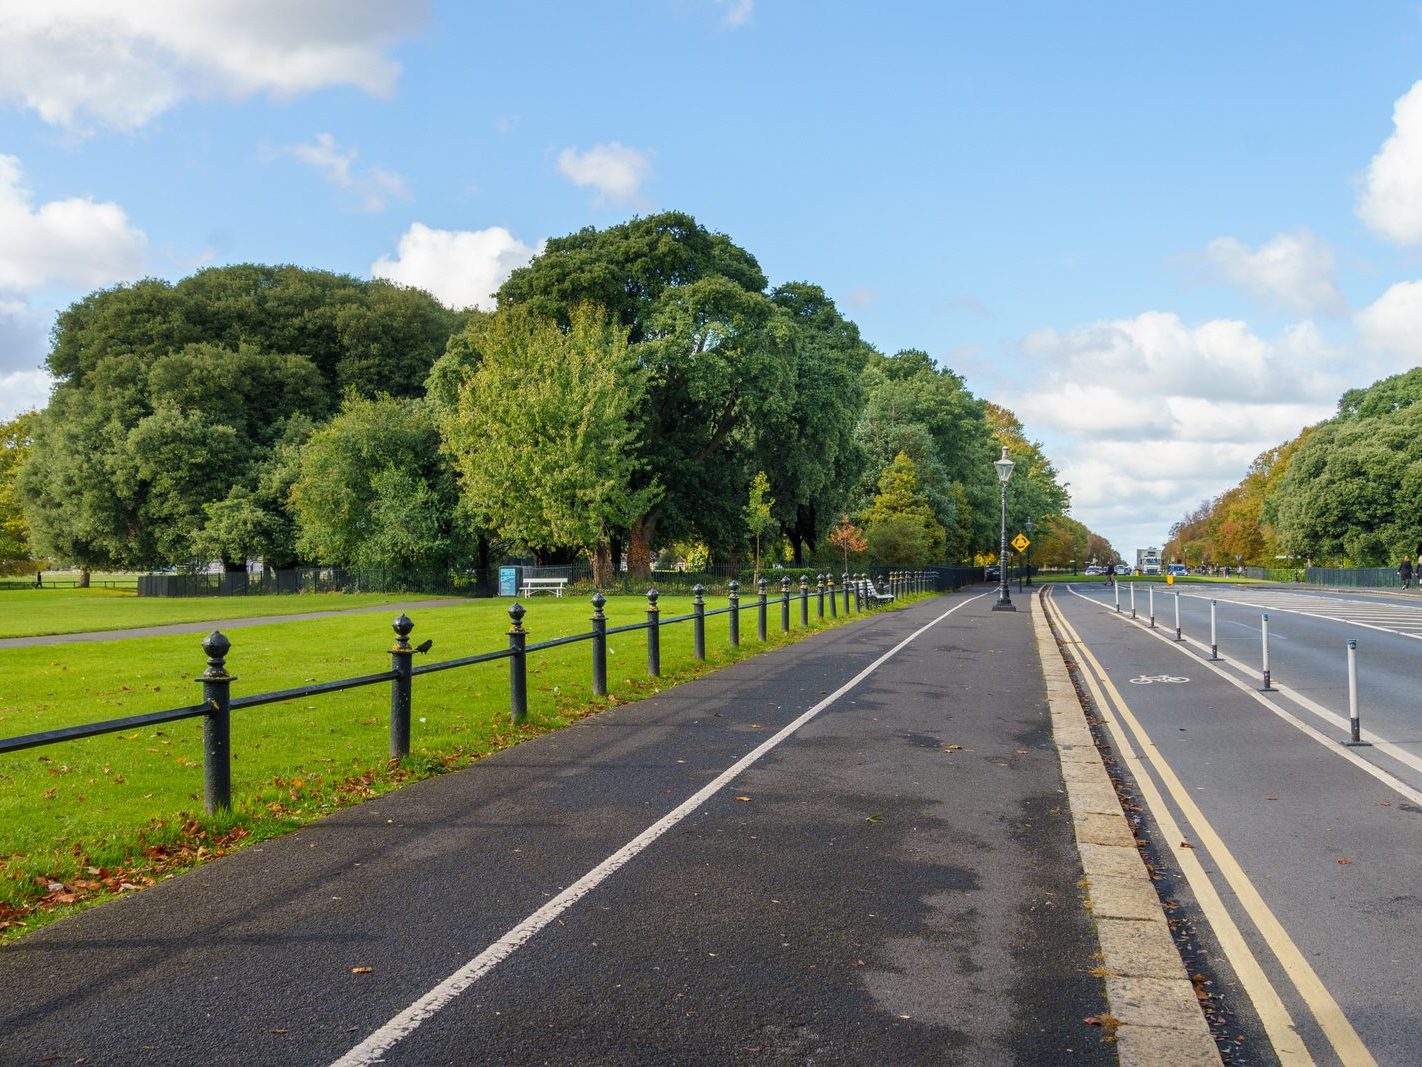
(1273, 1014)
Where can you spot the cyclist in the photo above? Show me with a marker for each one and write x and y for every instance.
(1110, 575)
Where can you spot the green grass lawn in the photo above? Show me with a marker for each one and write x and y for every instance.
(34, 612)
(127, 806)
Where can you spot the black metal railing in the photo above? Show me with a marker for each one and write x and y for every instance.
(859, 592)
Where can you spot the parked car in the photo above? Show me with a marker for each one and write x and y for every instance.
(1178, 570)
(991, 573)
(1095, 569)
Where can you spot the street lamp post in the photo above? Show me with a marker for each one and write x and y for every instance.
(1004, 471)
(1029, 550)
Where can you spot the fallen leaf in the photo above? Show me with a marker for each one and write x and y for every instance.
(742, 798)
(1271, 798)
(874, 818)
(1186, 844)
(361, 970)
(1384, 803)
(952, 748)
(1091, 1020)
(1345, 859)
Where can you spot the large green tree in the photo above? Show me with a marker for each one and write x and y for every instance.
(902, 529)
(700, 323)
(927, 413)
(804, 435)
(373, 490)
(172, 400)
(544, 430)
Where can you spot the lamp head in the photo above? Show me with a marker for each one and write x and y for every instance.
(1004, 467)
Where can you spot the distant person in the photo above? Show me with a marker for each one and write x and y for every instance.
(39, 579)
(1110, 575)
(1404, 571)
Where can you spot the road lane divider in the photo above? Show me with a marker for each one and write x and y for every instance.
(373, 1049)
(1124, 726)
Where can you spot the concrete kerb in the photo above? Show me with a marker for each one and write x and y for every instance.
(1157, 1015)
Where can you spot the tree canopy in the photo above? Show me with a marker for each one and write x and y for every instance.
(544, 432)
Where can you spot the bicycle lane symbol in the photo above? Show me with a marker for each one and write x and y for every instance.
(1166, 679)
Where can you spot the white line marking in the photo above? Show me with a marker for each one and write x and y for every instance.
(373, 1048)
(1330, 743)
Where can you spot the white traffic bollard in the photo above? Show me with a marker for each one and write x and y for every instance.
(1355, 731)
(1151, 591)
(1133, 601)
(1264, 636)
(1214, 639)
(1177, 616)
(1116, 588)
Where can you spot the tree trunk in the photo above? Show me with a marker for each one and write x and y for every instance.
(639, 547)
(84, 579)
(797, 546)
(601, 559)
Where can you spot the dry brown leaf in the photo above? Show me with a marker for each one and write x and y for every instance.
(362, 970)
(742, 798)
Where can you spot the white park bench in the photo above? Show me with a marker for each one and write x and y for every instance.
(552, 585)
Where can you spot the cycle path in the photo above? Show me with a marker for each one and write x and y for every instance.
(894, 881)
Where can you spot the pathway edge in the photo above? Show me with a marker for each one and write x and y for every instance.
(1147, 988)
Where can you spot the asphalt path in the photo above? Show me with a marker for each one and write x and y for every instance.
(1326, 835)
(824, 853)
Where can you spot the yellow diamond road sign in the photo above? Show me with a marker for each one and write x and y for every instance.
(1020, 543)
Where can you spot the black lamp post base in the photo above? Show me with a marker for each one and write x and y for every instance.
(1004, 605)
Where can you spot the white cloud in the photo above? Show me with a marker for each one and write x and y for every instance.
(462, 268)
(1293, 271)
(738, 12)
(1392, 324)
(1146, 417)
(1391, 199)
(372, 187)
(74, 242)
(615, 172)
(80, 62)
(21, 391)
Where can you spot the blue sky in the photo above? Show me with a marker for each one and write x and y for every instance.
(1167, 237)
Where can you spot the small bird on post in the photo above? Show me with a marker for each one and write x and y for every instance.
(424, 646)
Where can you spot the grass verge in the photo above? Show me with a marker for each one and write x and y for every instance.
(38, 612)
(87, 820)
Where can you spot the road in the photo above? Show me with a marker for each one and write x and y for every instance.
(1301, 854)
(851, 850)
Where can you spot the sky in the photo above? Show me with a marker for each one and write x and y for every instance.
(1167, 236)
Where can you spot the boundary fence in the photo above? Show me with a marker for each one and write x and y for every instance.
(855, 592)
(1347, 577)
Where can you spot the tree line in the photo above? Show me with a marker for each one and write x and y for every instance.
(1342, 493)
(640, 390)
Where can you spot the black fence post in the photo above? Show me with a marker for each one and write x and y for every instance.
(859, 592)
(217, 725)
(654, 634)
(820, 594)
(698, 621)
(518, 666)
(599, 645)
(761, 619)
(833, 596)
(784, 605)
(846, 592)
(804, 601)
(734, 596)
(401, 657)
